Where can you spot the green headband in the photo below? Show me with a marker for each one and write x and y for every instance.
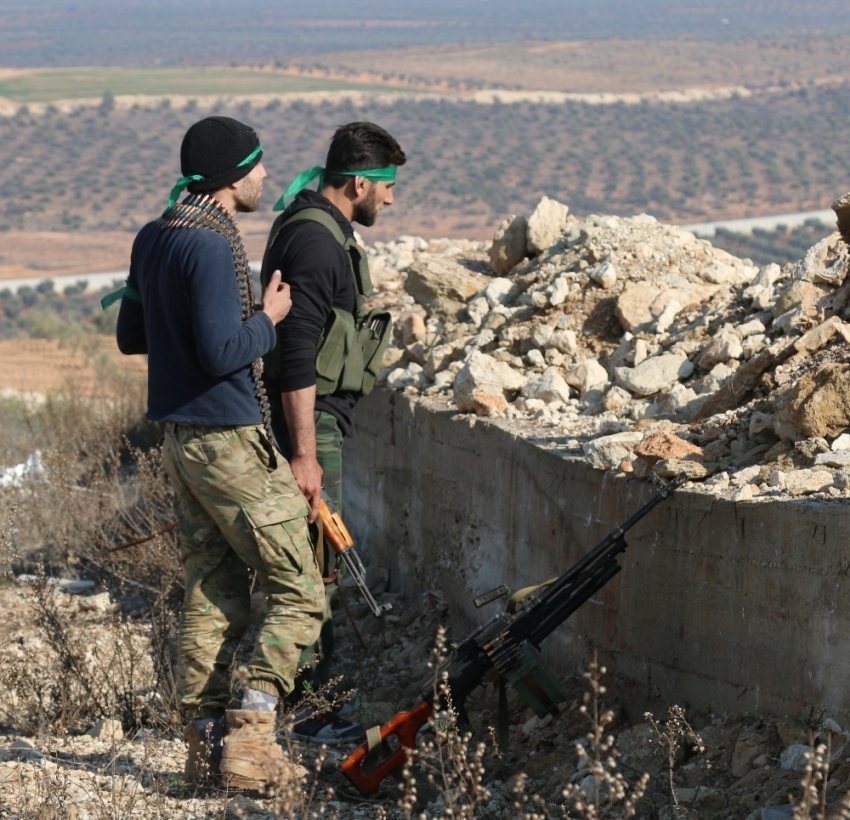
(306, 177)
(185, 182)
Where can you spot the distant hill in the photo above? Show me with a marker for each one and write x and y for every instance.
(163, 32)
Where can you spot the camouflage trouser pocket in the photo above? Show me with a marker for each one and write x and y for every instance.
(279, 525)
(206, 448)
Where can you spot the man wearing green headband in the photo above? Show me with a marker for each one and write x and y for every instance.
(312, 387)
(189, 305)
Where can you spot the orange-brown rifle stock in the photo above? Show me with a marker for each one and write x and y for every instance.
(337, 535)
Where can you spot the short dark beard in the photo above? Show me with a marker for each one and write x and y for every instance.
(248, 199)
(366, 212)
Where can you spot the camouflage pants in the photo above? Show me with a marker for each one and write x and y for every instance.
(317, 658)
(239, 507)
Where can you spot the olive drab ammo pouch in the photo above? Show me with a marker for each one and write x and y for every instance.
(352, 345)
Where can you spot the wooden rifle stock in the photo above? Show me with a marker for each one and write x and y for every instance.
(405, 726)
(337, 535)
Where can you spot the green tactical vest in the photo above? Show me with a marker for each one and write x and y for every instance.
(352, 346)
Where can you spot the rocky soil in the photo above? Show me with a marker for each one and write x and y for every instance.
(638, 346)
(746, 768)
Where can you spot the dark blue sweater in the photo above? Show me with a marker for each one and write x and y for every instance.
(189, 322)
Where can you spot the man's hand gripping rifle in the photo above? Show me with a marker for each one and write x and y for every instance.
(507, 643)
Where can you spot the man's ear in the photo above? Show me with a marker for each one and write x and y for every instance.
(360, 186)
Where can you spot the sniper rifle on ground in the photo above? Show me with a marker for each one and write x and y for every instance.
(507, 643)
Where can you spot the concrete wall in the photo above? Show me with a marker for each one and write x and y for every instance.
(738, 607)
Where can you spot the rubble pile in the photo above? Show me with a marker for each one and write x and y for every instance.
(746, 770)
(639, 345)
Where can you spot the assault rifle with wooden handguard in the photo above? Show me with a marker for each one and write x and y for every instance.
(337, 535)
(508, 643)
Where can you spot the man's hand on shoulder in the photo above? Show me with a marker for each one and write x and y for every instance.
(308, 476)
(277, 299)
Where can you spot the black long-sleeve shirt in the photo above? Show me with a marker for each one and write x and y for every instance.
(318, 271)
(189, 322)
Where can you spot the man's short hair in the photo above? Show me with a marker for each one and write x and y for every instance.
(360, 146)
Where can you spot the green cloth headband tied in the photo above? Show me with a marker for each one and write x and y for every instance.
(185, 182)
(121, 293)
(306, 177)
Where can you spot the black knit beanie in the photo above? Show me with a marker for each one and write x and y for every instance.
(213, 149)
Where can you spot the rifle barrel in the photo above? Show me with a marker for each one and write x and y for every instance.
(612, 537)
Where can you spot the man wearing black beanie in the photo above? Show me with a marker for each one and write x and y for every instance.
(189, 305)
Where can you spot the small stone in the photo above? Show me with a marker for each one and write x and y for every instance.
(535, 358)
(751, 328)
(605, 275)
(759, 422)
(842, 480)
(107, 729)
(606, 452)
(546, 225)
(672, 467)
(477, 309)
(510, 244)
(550, 387)
(668, 316)
(241, 806)
(586, 375)
(541, 335)
(483, 384)
(500, 291)
(564, 341)
(412, 328)
(560, 292)
(841, 443)
(633, 305)
(659, 446)
(410, 376)
(795, 757)
(806, 482)
(655, 374)
(725, 346)
(746, 476)
(838, 460)
(744, 493)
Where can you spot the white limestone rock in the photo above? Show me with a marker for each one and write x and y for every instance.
(587, 375)
(723, 347)
(500, 291)
(605, 275)
(606, 452)
(564, 341)
(550, 387)
(410, 376)
(483, 385)
(546, 225)
(655, 374)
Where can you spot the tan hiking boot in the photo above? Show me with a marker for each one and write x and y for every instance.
(252, 759)
(202, 762)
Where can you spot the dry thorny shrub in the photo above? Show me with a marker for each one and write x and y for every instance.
(103, 486)
(609, 793)
(672, 734)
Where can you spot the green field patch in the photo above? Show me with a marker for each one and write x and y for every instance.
(47, 85)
